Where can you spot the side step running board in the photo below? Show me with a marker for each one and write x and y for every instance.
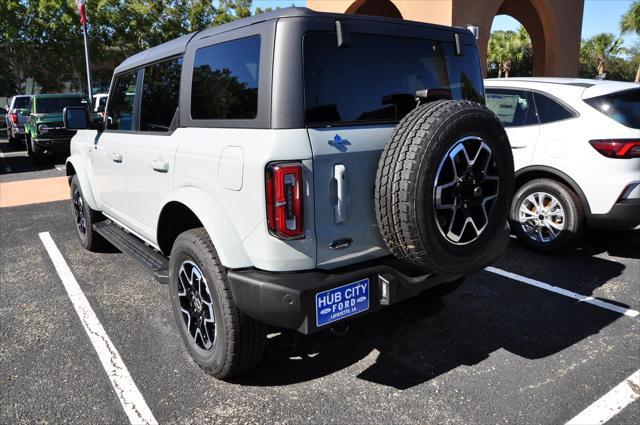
(151, 259)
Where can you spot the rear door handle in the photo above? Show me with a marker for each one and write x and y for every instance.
(116, 157)
(160, 165)
(340, 207)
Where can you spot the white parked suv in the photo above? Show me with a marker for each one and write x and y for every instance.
(576, 149)
(294, 169)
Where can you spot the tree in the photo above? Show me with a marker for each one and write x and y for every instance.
(599, 49)
(509, 51)
(41, 40)
(630, 23)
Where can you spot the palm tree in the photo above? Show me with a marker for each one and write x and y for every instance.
(600, 48)
(507, 47)
(630, 23)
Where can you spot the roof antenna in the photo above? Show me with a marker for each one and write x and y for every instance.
(344, 36)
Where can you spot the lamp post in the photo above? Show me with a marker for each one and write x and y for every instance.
(83, 20)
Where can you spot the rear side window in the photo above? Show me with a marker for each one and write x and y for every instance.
(225, 80)
(550, 110)
(623, 107)
(373, 80)
(160, 93)
(120, 112)
(515, 108)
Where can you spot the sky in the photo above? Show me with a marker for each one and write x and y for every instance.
(599, 16)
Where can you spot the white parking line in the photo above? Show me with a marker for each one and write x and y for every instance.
(566, 293)
(130, 397)
(610, 404)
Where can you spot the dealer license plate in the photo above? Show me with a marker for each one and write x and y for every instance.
(344, 301)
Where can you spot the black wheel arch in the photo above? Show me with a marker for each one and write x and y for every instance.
(532, 172)
(174, 219)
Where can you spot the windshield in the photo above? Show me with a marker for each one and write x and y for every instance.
(21, 103)
(377, 78)
(620, 106)
(45, 105)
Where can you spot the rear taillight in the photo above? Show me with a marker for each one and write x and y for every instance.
(617, 148)
(14, 117)
(285, 200)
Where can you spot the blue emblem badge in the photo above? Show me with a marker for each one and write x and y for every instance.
(339, 143)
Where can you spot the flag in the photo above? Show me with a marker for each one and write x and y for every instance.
(83, 11)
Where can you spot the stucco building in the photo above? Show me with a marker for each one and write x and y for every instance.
(554, 25)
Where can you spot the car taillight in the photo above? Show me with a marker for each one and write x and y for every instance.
(617, 148)
(14, 117)
(284, 200)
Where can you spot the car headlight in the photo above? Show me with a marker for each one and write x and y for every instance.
(43, 128)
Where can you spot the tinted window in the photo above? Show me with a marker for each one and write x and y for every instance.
(225, 80)
(550, 110)
(624, 107)
(514, 107)
(21, 103)
(120, 112)
(45, 105)
(374, 80)
(160, 91)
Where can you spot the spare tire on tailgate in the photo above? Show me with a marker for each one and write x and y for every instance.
(443, 186)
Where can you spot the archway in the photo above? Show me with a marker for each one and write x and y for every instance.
(510, 49)
(375, 8)
(554, 26)
(529, 16)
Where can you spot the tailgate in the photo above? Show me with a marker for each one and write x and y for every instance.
(345, 161)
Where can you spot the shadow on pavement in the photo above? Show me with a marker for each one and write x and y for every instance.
(416, 341)
(15, 160)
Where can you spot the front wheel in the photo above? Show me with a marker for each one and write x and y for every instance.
(84, 218)
(221, 339)
(546, 215)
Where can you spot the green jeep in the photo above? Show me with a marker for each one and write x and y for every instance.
(44, 131)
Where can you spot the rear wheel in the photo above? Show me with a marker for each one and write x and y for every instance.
(546, 215)
(443, 187)
(220, 338)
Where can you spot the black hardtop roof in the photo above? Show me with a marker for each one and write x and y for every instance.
(179, 45)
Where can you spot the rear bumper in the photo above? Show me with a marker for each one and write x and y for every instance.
(623, 215)
(287, 300)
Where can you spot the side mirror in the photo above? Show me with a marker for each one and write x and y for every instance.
(76, 118)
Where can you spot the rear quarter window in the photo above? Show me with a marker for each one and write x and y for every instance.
(550, 110)
(225, 80)
(623, 107)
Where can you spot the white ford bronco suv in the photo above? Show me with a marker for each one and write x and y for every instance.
(294, 169)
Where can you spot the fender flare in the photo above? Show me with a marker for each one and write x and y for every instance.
(216, 222)
(77, 164)
(532, 169)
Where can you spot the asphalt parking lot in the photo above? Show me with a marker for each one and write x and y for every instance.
(498, 350)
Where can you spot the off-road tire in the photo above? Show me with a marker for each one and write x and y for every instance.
(573, 215)
(239, 340)
(405, 179)
(27, 143)
(89, 239)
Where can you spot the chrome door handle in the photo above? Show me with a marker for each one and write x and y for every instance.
(160, 165)
(340, 207)
(116, 157)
